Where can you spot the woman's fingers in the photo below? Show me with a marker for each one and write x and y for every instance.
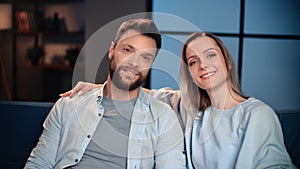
(80, 88)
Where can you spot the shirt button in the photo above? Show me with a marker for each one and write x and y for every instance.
(88, 136)
(99, 99)
(76, 160)
(99, 114)
(101, 108)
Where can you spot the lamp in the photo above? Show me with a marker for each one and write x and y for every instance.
(5, 23)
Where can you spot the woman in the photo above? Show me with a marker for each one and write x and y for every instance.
(223, 128)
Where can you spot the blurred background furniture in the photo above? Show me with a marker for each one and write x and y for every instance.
(5, 24)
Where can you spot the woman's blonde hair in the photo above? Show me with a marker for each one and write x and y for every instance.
(195, 98)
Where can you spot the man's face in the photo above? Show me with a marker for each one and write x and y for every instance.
(131, 59)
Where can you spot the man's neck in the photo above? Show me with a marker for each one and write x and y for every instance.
(113, 92)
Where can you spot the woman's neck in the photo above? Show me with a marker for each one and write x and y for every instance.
(223, 97)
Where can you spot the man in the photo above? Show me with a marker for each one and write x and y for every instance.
(118, 125)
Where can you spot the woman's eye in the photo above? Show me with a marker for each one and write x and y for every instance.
(192, 63)
(211, 55)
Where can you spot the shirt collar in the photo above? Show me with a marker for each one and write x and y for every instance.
(142, 97)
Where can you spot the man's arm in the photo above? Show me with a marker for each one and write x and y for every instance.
(44, 154)
(170, 147)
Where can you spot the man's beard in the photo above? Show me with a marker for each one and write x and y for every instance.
(118, 81)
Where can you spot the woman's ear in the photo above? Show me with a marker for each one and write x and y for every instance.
(111, 49)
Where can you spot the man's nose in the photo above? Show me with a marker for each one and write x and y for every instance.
(134, 60)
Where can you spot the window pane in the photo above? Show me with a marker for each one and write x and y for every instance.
(272, 17)
(166, 67)
(233, 46)
(271, 72)
(208, 15)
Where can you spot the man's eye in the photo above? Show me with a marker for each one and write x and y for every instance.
(126, 50)
(147, 58)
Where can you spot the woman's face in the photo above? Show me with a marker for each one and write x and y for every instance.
(206, 63)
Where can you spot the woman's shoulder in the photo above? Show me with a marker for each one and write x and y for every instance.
(257, 109)
(254, 104)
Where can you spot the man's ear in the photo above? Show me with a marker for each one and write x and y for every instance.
(111, 49)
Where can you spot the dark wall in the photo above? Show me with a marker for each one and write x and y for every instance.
(98, 14)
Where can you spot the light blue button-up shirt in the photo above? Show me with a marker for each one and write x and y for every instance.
(155, 137)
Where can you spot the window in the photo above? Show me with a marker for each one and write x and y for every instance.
(262, 35)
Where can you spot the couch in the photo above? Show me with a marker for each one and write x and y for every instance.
(21, 126)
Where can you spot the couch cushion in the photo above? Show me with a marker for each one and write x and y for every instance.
(290, 122)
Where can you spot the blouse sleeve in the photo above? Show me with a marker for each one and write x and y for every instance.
(263, 144)
(167, 95)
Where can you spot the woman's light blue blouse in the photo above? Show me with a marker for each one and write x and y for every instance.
(246, 136)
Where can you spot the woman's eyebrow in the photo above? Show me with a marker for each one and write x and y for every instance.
(191, 56)
(208, 50)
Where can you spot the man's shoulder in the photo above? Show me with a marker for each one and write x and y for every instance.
(77, 101)
(153, 101)
(159, 106)
(157, 102)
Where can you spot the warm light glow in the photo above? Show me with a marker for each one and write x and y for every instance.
(5, 16)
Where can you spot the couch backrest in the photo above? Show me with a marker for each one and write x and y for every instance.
(20, 128)
(290, 122)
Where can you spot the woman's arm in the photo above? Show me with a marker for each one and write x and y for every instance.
(80, 88)
(263, 145)
(83, 87)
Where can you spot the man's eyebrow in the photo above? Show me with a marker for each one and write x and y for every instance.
(148, 54)
(145, 51)
(128, 45)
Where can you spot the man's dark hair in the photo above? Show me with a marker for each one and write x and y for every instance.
(144, 26)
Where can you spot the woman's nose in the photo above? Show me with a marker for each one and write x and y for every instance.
(203, 65)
